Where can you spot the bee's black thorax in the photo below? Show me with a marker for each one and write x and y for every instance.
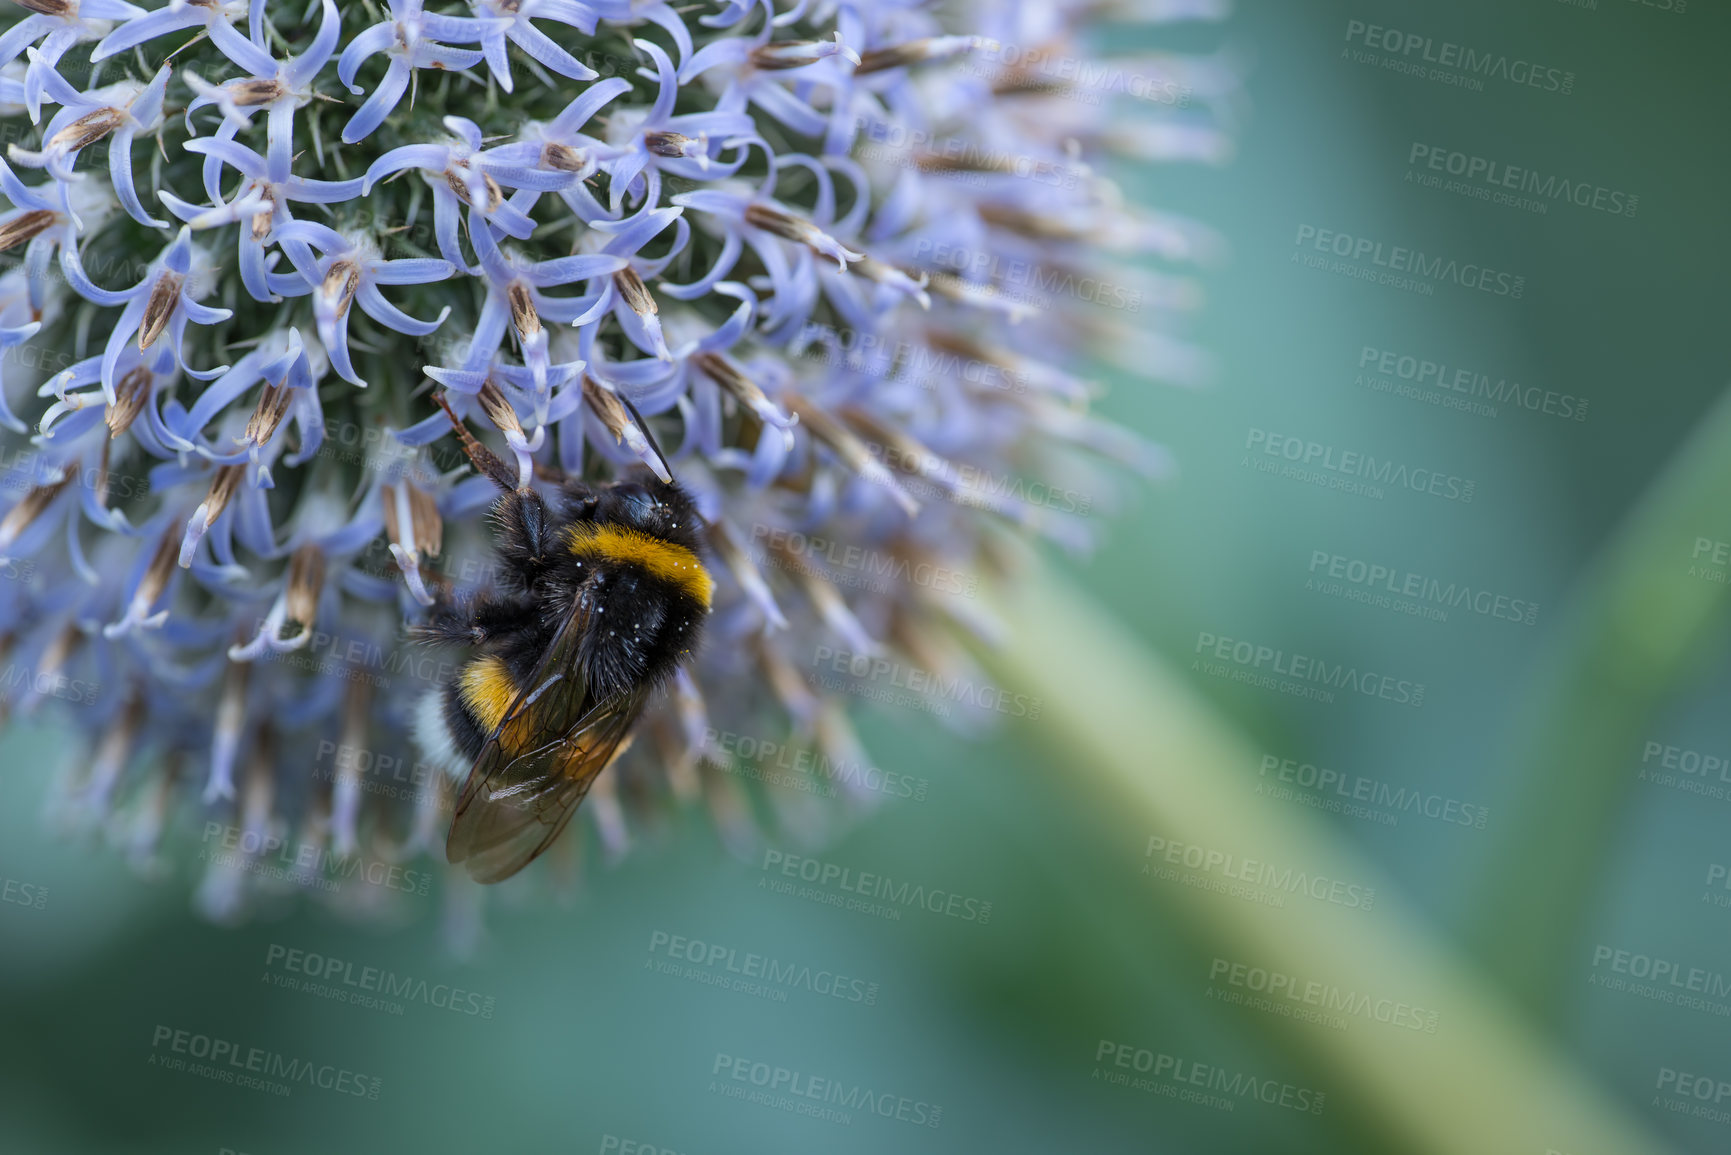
(626, 556)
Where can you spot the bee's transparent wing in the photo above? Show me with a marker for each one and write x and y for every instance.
(538, 764)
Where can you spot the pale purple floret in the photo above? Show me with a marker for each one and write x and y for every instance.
(159, 306)
(459, 162)
(216, 17)
(501, 21)
(411, 38)
(261, 204)
(349, 271)
(118, 112)
(52, 33)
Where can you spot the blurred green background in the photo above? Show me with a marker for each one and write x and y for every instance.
(1011, 1025)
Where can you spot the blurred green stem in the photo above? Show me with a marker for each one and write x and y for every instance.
(1156, 756)
(1637, 625)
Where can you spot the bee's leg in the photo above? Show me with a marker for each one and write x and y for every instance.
(529, 537)
(483, 458)
(473, 623)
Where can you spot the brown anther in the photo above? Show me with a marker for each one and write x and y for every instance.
(87, 129)
(773, 220)
(306, 580)
(58, 652)
(1028, 84)
(48, 7)
(459, 186)
(28, 509)
(222, 488)
(252, 92)
(606, 405)
(25, 226)
(911, 52)
(498, 408)
(130, 394)
(1028, 224)
(164, 296)
(99, 485)
(732, 378)
(668, 144)
(635, 292)
(495, 194)
(163, 563)
(784, 54)
(563, 158)
(854, 453)
(523, 314)
(426, 527)
(267, 415)
(341, 284)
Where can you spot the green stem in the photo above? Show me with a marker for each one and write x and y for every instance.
(1639, 624)
(1156, 757)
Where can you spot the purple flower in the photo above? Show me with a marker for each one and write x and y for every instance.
(55, 27)
(120, 111)
(161, 304)
(349, 271)
(217, 18)
(502, 20)
(262, 204)
(411, 39)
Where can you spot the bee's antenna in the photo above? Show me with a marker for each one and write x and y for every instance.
(483, 458)
(644, 425)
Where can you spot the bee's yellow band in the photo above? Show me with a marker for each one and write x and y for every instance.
(487, 690)
(672, 563)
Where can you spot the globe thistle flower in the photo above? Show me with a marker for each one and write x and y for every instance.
(825, 264)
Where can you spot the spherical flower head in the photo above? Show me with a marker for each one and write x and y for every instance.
(832, 267)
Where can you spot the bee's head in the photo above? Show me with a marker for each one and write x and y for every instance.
(652, 506)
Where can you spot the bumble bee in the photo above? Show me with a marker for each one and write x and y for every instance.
(603, 598)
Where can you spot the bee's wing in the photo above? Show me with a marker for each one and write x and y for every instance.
(514, 806)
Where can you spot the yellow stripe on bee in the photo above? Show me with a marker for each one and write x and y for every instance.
(672, 563)
(487, 691)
